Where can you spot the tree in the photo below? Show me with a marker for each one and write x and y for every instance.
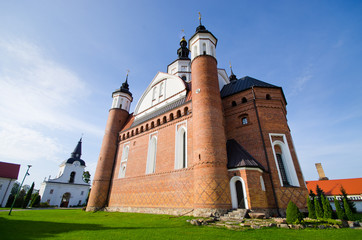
(20, 199)
(318, 209)
(339, 210)
(311, 208)
(293, 213)
(15, 188)
(28, 196)
(86, 176)
(327, 209)
(320, 192)
(347, 210)
(35, 201)
(351, 204)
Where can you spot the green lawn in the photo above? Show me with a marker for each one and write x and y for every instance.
(76, 224)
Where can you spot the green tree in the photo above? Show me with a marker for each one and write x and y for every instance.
(28, 196)
(293, 213)
(339, 210)
(86, 176)
(20, 199)
(311, 208)
(320, 193)
(327, 209)
(351, 204)
(36, 201)
(347, 210)
(15, 188)
(318, 208)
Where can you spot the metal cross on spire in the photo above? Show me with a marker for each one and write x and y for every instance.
(231, 68)
(200, 18)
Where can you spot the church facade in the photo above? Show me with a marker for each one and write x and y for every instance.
(199, 142)
(68, 188)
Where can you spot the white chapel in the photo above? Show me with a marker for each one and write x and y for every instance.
(68, 188)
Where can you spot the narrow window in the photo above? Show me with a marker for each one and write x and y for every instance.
(195, 51)
(132, 133)
(178, 114)
(171, 116)
(283, 173)
(233, 103)
(204, 48)
(181, 149)
(183, 78)
(141, 128)
(161, 90)
(151, 157)
(158, 122)
(154, 93)
(268, 97)
(128, 135)
(124, 158)
(186, 111)
(51, 191)
(244, 120)
(152, 124)
(136, 131)
(164, 119)
(146, 126)
(72, 176)
(244, 100)
(124, 136)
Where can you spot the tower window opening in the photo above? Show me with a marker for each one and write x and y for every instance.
(178, 114)
(152, 125)
(171, 116)
(158, 122)
(141, 128)
(146, 126)
(233, 104)
(136, 131)
(124, 136)
(132, 133)
(268, 97)
(72, 176)
(282, 170)
(164, 119)
(128, 135)
(204, 48)
(244, 100)
(186, 111)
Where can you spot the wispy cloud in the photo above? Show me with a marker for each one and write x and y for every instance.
(37, 95)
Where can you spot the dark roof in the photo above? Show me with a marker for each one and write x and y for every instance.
(243, 84)
(160, 111)
(76, 154)
(124, 88)
(239, 157)
(9, 170)
(202, 29)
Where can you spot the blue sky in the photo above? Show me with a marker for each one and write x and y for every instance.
(61, 60)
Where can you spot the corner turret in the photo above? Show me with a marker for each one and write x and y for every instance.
(122, 97)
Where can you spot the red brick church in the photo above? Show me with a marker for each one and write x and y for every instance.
(199, 142)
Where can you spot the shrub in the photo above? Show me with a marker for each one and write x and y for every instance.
(311, 209)
(327, 208)
(28, 196)
(351, 204)
(44, 205)
(318, 209)
(347, 210)
(293, 213)
(339, 211)
(36, 201)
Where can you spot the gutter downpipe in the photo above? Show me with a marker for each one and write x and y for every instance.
(266, 154)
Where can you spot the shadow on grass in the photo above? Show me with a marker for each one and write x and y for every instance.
(27, 230)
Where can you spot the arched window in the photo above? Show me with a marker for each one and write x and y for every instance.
(194, 52)
(186, 111)
(233, 104)
(72, 176)
(158, 122)
(124, 136)
(136, 131)
(178, 114)
(244, 100)
(284, 162)
(132, 133)
(181, 149)
(122, 169)
(164, 119)
(204, 48)
(120, 105)
(161, 89)
(128, 135)
(268, 97)
(152, 124)
(171, 116)
(212, 51)
(262, 183)
(183, 77)
(151, 156)
(154, 93)
(146, 126)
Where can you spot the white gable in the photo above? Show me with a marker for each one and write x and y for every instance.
(164, 89)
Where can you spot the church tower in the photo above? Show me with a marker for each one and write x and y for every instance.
(211, 184)
(117, 117)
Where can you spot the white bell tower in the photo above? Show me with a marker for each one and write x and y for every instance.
(122, 97)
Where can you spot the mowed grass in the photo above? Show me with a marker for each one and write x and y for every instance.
(77, 224)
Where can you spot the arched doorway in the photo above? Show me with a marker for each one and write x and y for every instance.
(238, 193)
(65, 200)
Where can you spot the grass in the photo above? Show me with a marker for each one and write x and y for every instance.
(76, 224)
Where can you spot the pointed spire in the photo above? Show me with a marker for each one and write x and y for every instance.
(232, 75)
(77, 153)
(125, 86)
(201, 28)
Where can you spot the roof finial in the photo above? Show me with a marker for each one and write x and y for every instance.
(81, 137)
(127, 75)
(232, 75)
(200, 18)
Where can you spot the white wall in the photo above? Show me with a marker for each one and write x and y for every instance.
(6, 184)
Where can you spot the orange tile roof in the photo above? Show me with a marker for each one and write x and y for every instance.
(128, 122)
(353, 186)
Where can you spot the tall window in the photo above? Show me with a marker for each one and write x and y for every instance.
(161, 89)
(72, 176)
(151, 156)
(282, 171)
(181, 149)
(122, 169)
(204, 48)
